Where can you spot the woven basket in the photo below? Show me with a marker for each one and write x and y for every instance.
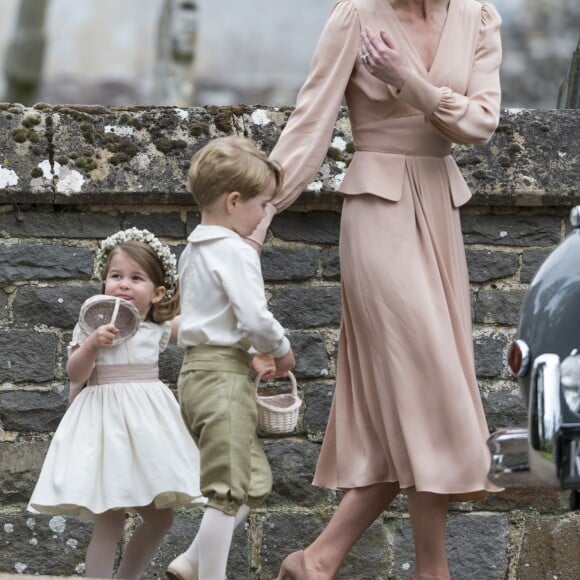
(278, 413)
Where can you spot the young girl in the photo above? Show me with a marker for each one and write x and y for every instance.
(122, 443)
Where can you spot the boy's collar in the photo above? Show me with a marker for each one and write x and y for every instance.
(203, 233)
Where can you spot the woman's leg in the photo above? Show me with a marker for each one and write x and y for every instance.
(100, 558)
(359, 508)
(428, 513)
(145, 541)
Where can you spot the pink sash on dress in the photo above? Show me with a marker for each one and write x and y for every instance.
(131, 373)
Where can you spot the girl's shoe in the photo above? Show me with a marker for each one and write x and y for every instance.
(293, 567)
(181, 569)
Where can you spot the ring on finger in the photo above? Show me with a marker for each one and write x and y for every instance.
(365, 58)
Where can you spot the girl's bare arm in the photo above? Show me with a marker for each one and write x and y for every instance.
(82, 359)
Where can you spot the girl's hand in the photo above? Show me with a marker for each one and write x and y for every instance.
(264, 363)
(103, 336)
(82, 358)
(383, 58)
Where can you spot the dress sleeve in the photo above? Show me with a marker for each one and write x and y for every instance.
(304, 141)
(165, 335)
(78, 337)
(471, 118)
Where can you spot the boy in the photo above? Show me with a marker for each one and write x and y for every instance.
(224, 316)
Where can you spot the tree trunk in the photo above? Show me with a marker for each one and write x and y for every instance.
(177, 39)
(569, 95)
(25, 53)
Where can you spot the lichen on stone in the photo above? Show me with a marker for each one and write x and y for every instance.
(30, 121)
(87, 131)
(19, 135)
(167, 145)
(77, 115)
(122, 148)
(336, 154)
(33, 136)
(198, 129)
(86, 163)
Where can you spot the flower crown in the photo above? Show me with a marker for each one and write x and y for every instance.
(167, 259)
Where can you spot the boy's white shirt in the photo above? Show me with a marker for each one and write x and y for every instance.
(223, 301)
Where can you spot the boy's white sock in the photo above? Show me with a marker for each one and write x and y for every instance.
(215, 537)
(213, 540)
(192, 552)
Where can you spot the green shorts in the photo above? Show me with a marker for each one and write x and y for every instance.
(218, 405)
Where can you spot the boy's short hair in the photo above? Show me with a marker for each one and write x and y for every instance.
(229, 164)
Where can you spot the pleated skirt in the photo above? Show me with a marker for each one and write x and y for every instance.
(406, 407)
(119, 446)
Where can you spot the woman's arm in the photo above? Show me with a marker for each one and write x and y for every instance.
(472, 118)
(304, 142)
(174, 330)
(469, 118)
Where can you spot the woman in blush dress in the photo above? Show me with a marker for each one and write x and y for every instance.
(417, 75)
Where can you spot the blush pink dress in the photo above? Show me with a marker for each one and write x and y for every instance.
(406, 406)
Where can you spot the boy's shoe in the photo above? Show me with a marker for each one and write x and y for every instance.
(181, 569)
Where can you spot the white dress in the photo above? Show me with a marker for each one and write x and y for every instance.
(122, 443)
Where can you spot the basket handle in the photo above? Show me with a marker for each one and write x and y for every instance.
(115, 311)
(291, 376)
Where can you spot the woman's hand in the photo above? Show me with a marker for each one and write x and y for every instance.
(382, 57)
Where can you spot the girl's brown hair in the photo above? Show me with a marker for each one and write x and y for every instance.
(143, 254)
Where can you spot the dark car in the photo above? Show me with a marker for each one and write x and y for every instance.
(545, 358)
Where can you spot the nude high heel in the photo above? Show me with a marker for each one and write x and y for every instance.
(293, 567)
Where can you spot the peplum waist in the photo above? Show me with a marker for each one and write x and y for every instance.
(123, 373)
(382, 151)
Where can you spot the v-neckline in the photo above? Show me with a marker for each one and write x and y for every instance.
(407, 38)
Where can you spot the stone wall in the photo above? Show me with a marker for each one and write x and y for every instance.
(71, 175)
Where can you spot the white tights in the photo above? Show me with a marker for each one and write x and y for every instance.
(107, 530)
(210, 549)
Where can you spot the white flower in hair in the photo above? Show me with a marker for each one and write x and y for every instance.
(163, 252)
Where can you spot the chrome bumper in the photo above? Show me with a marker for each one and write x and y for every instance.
(510, 466)
(549, 449)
